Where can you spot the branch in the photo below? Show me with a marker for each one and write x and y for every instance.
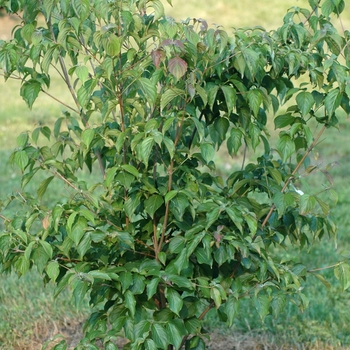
(4, 218)
(273, 207)
(326, 267)
(312, 12)
(170, 185)
(61, 102)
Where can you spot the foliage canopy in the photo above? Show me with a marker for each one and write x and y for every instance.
(158, 238)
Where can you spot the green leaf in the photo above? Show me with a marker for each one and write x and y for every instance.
(48, 6)
(216, 296)
(130, 302)
(159, 335)
(87, 136)
(255, 99)
(332, 101)
(47, 247)
(45, 63)
(43, 187)
(78, 230)
(169, 144)
(278, 304)
(21, 159)
(148, 89)
(207, 151)
(323, 280)
(177, 244)
(53, 270)
(158, 9)
(130, 169)
(84, 245)
(153, 203)
(234, 142)
(30, 91)
(283, 120)
(230, 97)
(181, 281)
(212, 216)
(88, 215)
(81, 8)
(327, 7)
(150, 344)
(221, 127)
(22, 139)
(252, 223)
(285, 146)
(170, 95)
(174, 333)
(231, 309)
(212, 90)
(305, 101)
(177, 67)
(193, 325)
(262, 305)
(82, 73)
(112, 45)
(307, 203)
(174, 299)
(152, 287)
(146, 149)
(79, 292)
(342, 273)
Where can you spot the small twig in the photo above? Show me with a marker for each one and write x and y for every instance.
(4, 218)
(244, 156)
(61, 102)
(326, 267)
(311, 13)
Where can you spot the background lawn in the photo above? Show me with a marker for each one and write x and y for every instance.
(28, 313)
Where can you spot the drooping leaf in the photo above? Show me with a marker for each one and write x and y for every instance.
(332, 101)
(30, 91)
(305, 102)
(174, 299)
(87, 136)
(285, 146)
(159, 335)
(170, 95)
(177, 67)
(230, 97)
(43, 186)
(207, 151)
(153, 203)
(148, 89)
(158, 9)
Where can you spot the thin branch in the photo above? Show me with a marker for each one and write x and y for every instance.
(66, 76)
(326, 267)
(61, 102)
(311, 13)
(273, 207)
(170, 185)
(4, 218)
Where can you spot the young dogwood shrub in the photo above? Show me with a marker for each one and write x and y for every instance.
(155, 237)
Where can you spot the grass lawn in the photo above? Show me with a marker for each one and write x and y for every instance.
(28, 313)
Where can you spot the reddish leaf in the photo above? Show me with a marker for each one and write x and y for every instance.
(177, 67)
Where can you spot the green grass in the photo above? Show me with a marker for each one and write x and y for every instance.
(28, 313)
